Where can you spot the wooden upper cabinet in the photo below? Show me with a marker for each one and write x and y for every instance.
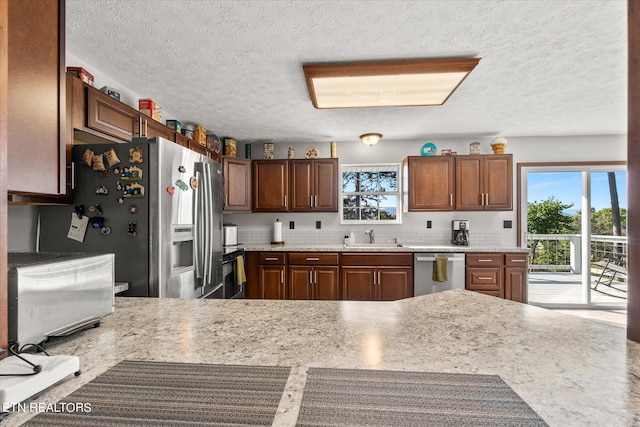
(237, 184)
(151, 128)
(314, 185)
(430, 185)
(498, 182)
(270, 185)
(36, 98)
(484, 182)
(469, 189)
(111, 116)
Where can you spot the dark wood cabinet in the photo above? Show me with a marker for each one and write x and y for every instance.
(503, 275)
(313, 276)
(484, 182)
(272, 272)
(270, 185)
(430, 183)
(36, 99)
(376, 276)
(515, 277)
(110, 116)
(314, 185)
(237, 184)
(151, 128)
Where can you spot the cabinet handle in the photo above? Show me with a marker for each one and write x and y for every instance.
(140, 126)
(146, 127)
(73, 175)
(485, 278)
(485, 260)
(281, 276)
(487, 199)
(451, 199)
(315, 201)
(311, 201)
(271, 259)
(518, 260)
(285, 200)
(310, 277)
(226, 200)
(379, 278)
(315, 276)
(313, 259)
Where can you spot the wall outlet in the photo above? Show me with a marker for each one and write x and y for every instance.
(428, 224)
(292, 225)
(507, 224)
(318, 225)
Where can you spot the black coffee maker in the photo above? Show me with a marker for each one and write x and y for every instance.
(460, 232)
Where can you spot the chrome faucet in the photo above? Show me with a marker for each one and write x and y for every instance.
(370, 234)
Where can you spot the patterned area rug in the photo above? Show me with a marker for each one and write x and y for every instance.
(349, 397)
(135, 393)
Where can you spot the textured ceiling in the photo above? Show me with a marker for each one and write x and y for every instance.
(547, 68)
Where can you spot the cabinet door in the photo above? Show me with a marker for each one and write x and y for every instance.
(111, 116)
(498, 182)
(469, 184)
(153, 128)
(270, 185)
(301, 183)
(394, 283)
(515, 277)
(326, 282)
(358, 283)
(325, 197)
(36, 97)
(431, 183)
(515, 284)
(300, 279)
(272, 282)
(237, 184)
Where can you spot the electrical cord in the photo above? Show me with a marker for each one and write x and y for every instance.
(14, 350)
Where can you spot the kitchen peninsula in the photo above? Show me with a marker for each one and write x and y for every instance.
(570, 370)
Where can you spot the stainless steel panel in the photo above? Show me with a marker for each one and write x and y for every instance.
(52, 293)
(423, 264)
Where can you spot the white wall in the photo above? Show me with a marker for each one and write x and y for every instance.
(486, 227)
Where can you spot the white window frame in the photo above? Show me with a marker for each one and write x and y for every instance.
(397, 194)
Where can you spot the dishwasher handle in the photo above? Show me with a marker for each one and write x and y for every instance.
(432, 258)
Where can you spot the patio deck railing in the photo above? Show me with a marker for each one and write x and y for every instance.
(562, 252)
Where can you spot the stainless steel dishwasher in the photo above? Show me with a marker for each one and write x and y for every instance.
(423, 265)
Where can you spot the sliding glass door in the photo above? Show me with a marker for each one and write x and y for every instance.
(575, 226)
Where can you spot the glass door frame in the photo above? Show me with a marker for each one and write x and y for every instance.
(586, 168)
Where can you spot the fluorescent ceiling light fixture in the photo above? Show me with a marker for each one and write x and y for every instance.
(386, 84)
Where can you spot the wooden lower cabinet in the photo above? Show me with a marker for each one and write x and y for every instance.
(313, 283)
(391, 278)
(313, 276)
(503, 275)
(266, 275)
(272, 282)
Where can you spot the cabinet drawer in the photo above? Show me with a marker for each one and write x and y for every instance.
(308, 258)
(485, 279)
(373, 259)
(484, 259)
(515, 260)
(272, 258)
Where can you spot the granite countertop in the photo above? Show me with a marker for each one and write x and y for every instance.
(384, 247)
(570, 370)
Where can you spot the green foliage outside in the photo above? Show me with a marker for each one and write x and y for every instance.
(547, 217)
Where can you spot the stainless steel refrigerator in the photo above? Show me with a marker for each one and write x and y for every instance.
(154, 204)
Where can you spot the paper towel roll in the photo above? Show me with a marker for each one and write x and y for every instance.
(277, 231)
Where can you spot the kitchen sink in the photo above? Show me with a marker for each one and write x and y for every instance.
(373, 245)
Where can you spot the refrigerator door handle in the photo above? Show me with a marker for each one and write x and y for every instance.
(197, 235)
(208, 231)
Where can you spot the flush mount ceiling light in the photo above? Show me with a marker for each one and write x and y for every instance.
(386, 84)
(371, 139)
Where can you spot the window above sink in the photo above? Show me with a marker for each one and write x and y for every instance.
(371, 194)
